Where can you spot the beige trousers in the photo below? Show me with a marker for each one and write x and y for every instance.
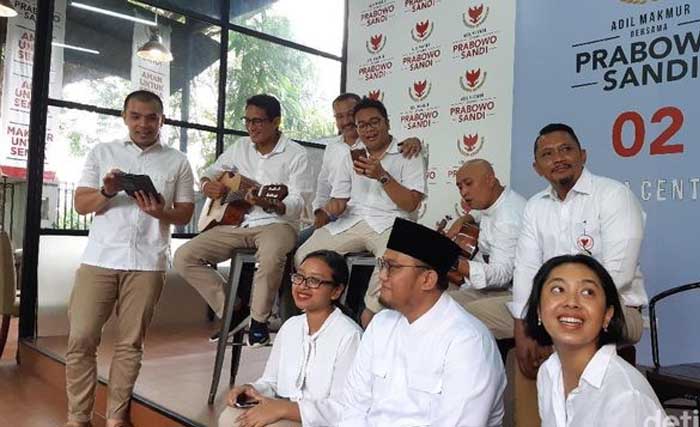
(489, 306)
(95, 294)
(229, 416)
(272, 241)
(525, 410)
(360, 237)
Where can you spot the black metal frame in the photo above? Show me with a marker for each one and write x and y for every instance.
(652, 316)
(38, 116)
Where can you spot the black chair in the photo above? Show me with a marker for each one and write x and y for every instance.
(675, 381)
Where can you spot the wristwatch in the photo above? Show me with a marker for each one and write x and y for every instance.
(384, 179)
(104, 193)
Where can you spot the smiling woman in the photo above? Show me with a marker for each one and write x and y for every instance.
(574, 306)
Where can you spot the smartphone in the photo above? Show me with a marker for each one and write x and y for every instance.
(244, 401)
(358, 153)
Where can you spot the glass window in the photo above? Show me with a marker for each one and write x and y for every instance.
(318, 24)
(79, 131)
(100, 65)
(304, 84)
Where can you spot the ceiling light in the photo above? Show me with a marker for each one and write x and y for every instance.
(154, 49)
(112, 13)
(78, 48)
(7, 9)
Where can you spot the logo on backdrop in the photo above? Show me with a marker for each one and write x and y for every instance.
(423, 54)
(475, 15)
(474, 105)
(421, 114)
(379, 12)
(473, 79)
(419, 5)
(378, 65)
(376, 94)
(470, 144)
(419, 90)
(480, 39)
(376, 43)
(648, 47)
(422, 30)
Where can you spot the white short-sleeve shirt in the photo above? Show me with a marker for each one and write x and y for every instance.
(122, 236)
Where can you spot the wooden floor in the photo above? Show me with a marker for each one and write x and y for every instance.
(177, 370)
(175, 375)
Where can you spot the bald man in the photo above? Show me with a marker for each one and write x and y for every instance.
(483, 285)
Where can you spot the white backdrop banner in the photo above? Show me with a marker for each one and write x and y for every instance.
(444, 70)
(17, 87)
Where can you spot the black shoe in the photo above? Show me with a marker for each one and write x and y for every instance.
(238, 317)
(258, 335)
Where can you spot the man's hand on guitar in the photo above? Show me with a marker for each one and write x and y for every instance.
(529, 353)
(214, 189)
(269, 205)
(321, 218)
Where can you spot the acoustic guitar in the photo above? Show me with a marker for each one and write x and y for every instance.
(231, 208)
(467, 238)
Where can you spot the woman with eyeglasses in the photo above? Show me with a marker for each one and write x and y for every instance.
(574, 306)
(310, 356)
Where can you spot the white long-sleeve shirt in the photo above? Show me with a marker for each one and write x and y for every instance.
(368, 198)
(442, 370)
(286, 164)
(311, 369)
(336, 151)
(601, 217)
(499, 228)
(122, 236)
(610, 392)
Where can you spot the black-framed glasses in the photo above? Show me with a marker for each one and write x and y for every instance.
(311, 282)
(371, 123)
(390, 267)
(253, 122)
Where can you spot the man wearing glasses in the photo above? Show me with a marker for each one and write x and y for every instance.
(337, 150)
(425, 361)
(368, 194)
(268, 157)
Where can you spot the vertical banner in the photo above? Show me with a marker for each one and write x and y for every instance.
(444, 70)
(150, 75)
(624, 74)
(17, 87)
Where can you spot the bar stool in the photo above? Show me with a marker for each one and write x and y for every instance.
(239, 257)
(353, 259)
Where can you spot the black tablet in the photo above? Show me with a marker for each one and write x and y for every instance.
(132, 183)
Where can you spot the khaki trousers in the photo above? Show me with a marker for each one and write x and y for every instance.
(272, 241)
(360, 237)
(489, 306)
(229, 416)
(95, 293)
(526, 413)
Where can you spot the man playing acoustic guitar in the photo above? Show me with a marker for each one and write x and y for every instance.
(484, 282)
(270, 226)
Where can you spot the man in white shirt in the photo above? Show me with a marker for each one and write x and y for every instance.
(368, 194)
(425, 361)
(578, 213)
(126, 256)
(268, 157)
(484, 282)
(337, 150)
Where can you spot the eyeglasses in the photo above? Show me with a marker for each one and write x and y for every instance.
(253, 122)
(311, 282)
(390, 267)
(371, 123)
